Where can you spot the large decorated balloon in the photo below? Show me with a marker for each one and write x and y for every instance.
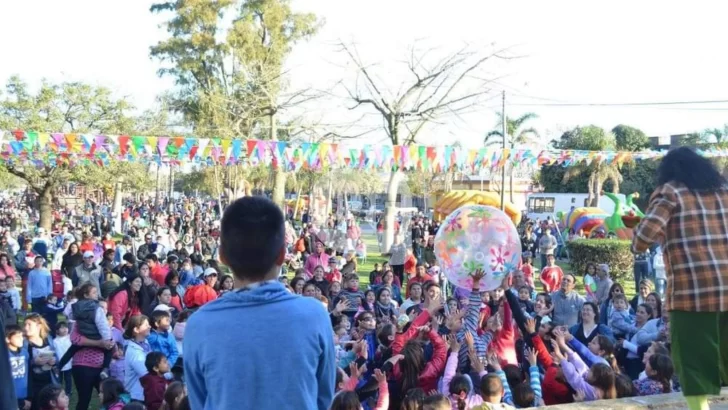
(477, 237)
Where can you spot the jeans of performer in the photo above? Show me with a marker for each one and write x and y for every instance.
(641, 271)
(543, 260)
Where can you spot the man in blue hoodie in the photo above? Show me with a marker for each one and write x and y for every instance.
(258, 347)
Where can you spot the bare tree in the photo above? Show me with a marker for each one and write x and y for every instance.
(449, 86)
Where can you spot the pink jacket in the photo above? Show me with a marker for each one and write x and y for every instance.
(472, 398)
(313, 261)
(119, 306)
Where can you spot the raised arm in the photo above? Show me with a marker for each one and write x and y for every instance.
(584, 352)
(436, 365)
(652, 227)
(516, 310)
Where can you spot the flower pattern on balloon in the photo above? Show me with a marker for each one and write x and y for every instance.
(498, 262)
(477, 237)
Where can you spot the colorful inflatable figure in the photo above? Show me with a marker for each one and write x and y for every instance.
(625, 217)
(584, 219)
(456, 199)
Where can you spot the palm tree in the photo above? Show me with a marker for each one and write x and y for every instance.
(517, 134)
(599, 173)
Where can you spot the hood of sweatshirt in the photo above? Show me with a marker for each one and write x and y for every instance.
(266, 293)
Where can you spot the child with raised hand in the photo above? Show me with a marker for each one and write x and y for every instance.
(154, 382)
(529, 395)
(112, 395)
(480, 340)
(19, 363)
(352, 294)
(659, 370)
(52, 397)
(595, 383)
(458, 387)
(160, 338)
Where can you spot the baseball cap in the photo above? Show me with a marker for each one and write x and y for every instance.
(210, 271)
(163, 308)
(88, 254)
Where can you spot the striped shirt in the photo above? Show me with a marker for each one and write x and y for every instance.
(470, 324)
(693, 229)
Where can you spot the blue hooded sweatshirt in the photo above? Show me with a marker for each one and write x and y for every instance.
(261, 348)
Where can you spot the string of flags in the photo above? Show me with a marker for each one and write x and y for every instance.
(54, 149)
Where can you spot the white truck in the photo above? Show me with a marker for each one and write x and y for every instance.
(542, 205)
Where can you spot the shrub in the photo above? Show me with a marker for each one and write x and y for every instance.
(615, 253)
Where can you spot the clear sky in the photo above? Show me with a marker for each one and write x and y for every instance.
(574, 51)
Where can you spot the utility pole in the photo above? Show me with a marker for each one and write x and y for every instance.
(505, 135)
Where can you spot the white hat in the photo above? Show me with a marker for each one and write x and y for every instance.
(88, 254)
(210, 271)
(163, 308)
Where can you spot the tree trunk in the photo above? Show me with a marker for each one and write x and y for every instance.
(591, 199)
(390, 210)
(45, 206)
(171, 188)
(117, 206)
(156, 191)
(279, 183)
(298, 203)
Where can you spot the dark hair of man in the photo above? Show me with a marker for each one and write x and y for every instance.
(252, 237)
(685, 166)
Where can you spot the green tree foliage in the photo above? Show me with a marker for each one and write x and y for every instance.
(66, 107)
(231, 80)
(640, 177)
(629, 138)
(518, 134)
(589, 138)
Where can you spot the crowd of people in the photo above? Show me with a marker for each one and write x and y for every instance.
(156, 327)
(81, 309)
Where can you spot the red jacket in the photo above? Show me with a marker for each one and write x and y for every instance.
(554, 391)
(504, 341)
(154, 387)
(427, 380)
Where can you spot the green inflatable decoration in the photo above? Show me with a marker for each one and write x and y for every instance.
(625, 217)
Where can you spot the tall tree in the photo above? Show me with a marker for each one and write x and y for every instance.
(591, 138)
(433, 91)
(232, 81)
(518, 134)
(71, 107)
(630, 138)
(720, 135)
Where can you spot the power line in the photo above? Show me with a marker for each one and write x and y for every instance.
(629, 104)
